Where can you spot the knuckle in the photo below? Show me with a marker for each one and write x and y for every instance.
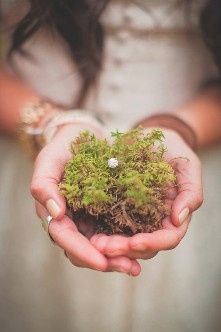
(173, 245)
(174, 242)
(198, 199)
(36, 188)
(150, 248)
(186, 187)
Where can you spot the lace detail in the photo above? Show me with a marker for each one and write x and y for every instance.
(153, 15)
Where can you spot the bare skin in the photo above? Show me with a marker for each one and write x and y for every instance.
(139, 246)
(187, 199)
(113, 253)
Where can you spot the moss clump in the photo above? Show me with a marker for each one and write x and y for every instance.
(129, 198)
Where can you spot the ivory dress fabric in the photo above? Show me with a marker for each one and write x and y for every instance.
(154, 60)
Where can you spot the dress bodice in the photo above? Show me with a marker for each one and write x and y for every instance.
(154, 60)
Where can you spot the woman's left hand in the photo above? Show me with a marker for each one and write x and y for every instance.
(183, 201)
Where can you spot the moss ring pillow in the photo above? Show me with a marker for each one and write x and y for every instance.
(120, 186)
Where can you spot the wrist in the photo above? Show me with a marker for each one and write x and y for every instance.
(41, 121)
(204, 115)
(74, 121)
(34, 116)
(74, 129)
(172, 124)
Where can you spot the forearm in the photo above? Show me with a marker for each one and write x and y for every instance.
(21, 107)
(203, 114)
(13, 97)
(198, 122)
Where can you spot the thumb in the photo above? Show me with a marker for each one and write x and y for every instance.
(47, 174)
(190, 194)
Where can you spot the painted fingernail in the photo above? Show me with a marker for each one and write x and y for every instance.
(183, 215)
(53, 208)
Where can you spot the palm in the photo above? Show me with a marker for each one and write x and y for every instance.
(186, 194)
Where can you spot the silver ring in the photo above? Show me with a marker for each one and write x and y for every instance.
(45, 224)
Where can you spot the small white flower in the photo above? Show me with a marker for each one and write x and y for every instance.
(113, 162)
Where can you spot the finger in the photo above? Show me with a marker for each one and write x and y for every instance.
(190, 193)
(79, 249)
(145, 255)
(49, 167)
(47, 174)
(41, 211)
(114, 249)
(165, 239)
(111, 246)
(124, 265)
(117, 264)
(170, 192)
(143, 245)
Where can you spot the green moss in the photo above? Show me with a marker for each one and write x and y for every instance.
(127, 199)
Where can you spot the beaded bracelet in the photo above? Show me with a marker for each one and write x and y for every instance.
(40, 121)
(32, 120)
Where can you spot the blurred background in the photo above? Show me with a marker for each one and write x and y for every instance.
(154, 60)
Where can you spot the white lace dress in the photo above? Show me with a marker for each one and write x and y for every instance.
(154, 60)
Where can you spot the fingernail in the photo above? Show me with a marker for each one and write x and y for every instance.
(53, 208)
(134, 270)
(183, 215)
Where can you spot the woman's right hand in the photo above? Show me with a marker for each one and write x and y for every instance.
(48, 171)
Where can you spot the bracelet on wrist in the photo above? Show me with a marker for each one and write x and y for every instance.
(33, 118)
(76, 116)
(173, 122)
(40, 121)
